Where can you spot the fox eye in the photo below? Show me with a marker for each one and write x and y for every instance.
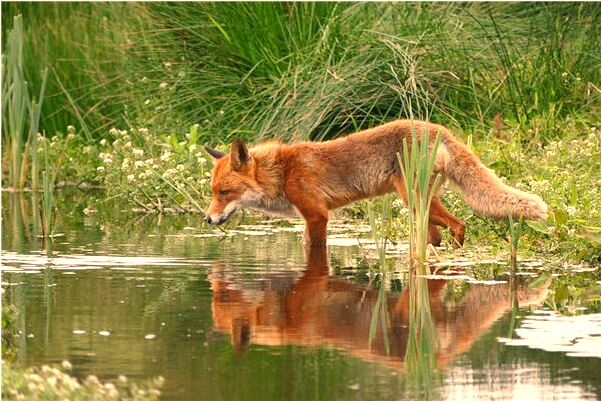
(223, 192)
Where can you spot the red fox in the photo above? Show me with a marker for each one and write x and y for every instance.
(311, 178)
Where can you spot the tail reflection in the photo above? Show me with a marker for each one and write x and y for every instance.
(319, 310)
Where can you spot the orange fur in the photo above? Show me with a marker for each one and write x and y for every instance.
(311, 178)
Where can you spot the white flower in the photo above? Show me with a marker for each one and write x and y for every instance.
(147, 102)
(180, 167)
(165, 156)
(123, 133)
(144, 79)
(113, 131)
(125, 163)
(203, 182)
(51, 381)
(138, 153)
(167, 65)
(71, 136)
(138, 164)
(103, 142)
(163, 85)
(116, 142)
(201, 160)
(70, 129)
(131, 177)
(571, 210)
(100, 168)
(66, 365)
(192, 148)
(168, 172)
(143, 131)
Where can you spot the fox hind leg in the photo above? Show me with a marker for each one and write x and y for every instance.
(438, 215)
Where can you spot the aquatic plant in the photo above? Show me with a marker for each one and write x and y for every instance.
(417, 168)
(515, 233)
(380, 228)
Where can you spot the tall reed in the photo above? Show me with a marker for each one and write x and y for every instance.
(46, 208)
(15, 102)
(381, 228)
(417, 168)
(516, 230)
(20, 113)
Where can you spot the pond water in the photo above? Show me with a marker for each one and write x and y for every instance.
(246, 314)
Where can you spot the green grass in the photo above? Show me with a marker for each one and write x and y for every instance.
(309, 70)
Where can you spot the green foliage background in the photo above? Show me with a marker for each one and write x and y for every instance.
(299, 70)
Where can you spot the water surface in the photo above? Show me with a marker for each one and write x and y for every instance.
(248, 314)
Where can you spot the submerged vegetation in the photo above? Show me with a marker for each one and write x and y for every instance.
(142, 90)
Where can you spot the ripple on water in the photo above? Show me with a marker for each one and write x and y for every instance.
(577, 336)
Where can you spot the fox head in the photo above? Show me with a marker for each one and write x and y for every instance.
(233, 184)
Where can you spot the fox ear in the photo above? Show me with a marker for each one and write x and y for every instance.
(215, 153)
(239, 155)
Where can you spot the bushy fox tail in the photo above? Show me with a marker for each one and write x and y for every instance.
(482, 189)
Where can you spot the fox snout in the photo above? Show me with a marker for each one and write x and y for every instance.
(217, 213)
(216, 220)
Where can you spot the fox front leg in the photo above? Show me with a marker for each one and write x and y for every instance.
(315, 232)
(316, 222)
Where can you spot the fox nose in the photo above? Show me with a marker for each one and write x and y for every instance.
(207, 219)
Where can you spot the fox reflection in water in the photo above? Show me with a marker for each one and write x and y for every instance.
(314, 309)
